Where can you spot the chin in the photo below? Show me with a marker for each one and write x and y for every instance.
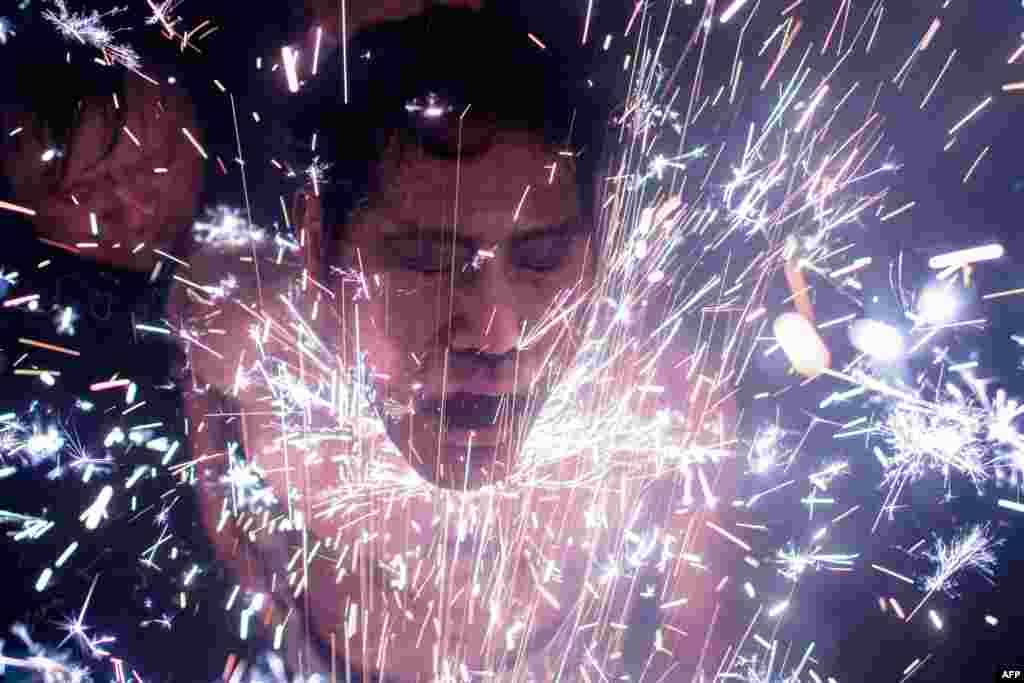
(451, 468)
(460, 471)
(456, 467)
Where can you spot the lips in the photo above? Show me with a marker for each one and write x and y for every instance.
(465, 411)
(475, 443)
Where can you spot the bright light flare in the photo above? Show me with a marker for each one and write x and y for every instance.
(732, 10)
(877, 339)
(964, 257)
(937, 305)
(802, 344)
(290, 59)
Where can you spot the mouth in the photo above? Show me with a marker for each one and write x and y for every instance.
(483, 414)
(475, 436)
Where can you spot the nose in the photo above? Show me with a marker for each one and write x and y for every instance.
(485, 313)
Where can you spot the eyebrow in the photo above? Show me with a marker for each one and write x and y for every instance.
(409, 229)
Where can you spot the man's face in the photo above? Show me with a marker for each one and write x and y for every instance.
(463, 355)
(132, 169)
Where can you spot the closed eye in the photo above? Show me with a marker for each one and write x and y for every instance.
(432, 252)
(425, 256)
(543, 253)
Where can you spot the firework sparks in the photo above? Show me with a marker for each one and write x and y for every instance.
(226, 228)
(6, 30)
(958, 259)
(969, 550)
(794, 189)
(878, 340)
(89, 29)
(794, 563)
(53, 665)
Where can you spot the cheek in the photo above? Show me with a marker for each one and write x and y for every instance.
(401, 318)
(566, 285)
(179, 189)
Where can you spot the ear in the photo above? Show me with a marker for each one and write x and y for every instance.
(307, 215)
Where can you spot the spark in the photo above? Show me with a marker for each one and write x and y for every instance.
(88, 29)
(893, 574)
(811, 108)
(1016, 53)
(65, 320)
(316, 172)
(97, 512)
(999, 295)
(6, 30)
(316, 49)
(913, 666)
(226, 229)
(965, 257)
(937, 305)
(17, 208)
(40, 445)
(877, 339)
(969, 550)
(430, 107)
(519, 206)
(897, 212)
(162, 13)
(537, 41)
(195, 143)
(790, 195)
(728, 535)
(970, 171)
(938, 78)
(290, 58)
(795, 563)
(852, 268)
(112, 384)
(586, 22)
(767, 450)
(974, 112)
(947, 438)
(731, 11)
(48, 347)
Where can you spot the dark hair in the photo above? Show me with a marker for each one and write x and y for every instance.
(450, 59)
(62, 76)
(53, 83)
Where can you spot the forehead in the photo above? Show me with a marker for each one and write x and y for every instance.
(517, 179)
